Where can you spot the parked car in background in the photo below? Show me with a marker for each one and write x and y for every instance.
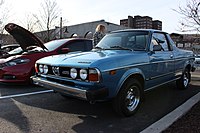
(6, 48)
(9, 47)
(18, 67)
(197, 59)
(121, 68)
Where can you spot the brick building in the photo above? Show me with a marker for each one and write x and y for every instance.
(141, 22)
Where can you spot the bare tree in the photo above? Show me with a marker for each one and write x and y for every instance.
(4, 15)
(30, 22)
(1, 2)
(191, 16)
(48, 16)
(3, 19)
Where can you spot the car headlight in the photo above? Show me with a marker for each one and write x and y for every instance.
(83, 74)
(45, 69)
(73, 73)
(17, 62)
(41, 69)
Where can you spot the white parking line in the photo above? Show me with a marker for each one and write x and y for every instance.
(25, 94)
(173, 116)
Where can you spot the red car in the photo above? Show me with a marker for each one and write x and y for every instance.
(19, 65)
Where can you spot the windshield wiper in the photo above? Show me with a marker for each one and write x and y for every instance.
(122, 48)
(98, 47)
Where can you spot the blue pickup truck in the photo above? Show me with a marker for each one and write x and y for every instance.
(120, 68)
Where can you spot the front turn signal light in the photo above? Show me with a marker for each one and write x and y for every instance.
(94, 75)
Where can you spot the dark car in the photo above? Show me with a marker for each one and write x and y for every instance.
(121, 68)
(197, 59)
(9, 47)
(6, 48)
(18, 67)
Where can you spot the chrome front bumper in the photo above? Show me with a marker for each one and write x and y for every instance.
(99, 93)
(60, 87)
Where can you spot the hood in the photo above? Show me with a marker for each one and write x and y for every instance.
(74, 58)
(24, 37)
(101, 59)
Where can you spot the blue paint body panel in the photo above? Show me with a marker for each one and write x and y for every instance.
(117, 60)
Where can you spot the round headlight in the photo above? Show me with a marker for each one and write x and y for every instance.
(83, 74)
(73, 73)
(45, 68)
(41, 69)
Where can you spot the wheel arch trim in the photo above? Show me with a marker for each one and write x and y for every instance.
(136, 72)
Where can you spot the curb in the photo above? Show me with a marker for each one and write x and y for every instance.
(170, 118)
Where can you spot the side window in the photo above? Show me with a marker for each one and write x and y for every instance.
(159, 39)
(171, 42)
(141, 42)
(76, 46)
(88, 45)
(137, 42)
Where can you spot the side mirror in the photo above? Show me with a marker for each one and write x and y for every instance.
(65, 50)
(157, 48)
(160, 41)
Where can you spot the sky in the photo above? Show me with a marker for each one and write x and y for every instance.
(82, 11)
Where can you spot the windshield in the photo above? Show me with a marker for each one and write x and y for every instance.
(52, 45)
(15, 51)
(129, 40)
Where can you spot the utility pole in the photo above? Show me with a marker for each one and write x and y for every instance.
(61, 28)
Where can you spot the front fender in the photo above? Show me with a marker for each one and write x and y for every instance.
(188, 63)
(126, 75)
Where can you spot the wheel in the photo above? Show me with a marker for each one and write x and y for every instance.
(129, 98)
(184, 81)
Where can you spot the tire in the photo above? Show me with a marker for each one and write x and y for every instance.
(184, 81)
(128, 100)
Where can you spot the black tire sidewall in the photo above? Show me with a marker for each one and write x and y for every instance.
(119, 102)
(180, 82)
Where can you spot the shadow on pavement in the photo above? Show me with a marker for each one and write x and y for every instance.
(13, 115)
(100, 116)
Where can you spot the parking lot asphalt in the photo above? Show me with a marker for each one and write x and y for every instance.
(52, 113)
(169, 122)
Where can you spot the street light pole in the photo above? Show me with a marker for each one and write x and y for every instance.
(61, 27)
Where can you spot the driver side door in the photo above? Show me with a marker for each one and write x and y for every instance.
(161, 60)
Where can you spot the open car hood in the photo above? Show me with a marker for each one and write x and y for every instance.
(24, 37)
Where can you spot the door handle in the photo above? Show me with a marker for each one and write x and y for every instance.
(171, 56)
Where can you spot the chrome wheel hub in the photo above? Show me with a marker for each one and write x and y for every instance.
(185, 79)
(132, 98)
